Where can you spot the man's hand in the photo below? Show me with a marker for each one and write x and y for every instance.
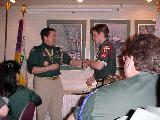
(37, 70)
(88, 62)
(90, 81)
(84, 65)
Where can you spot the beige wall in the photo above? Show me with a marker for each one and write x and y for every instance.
(34, 22)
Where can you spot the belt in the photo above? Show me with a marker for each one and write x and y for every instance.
(112, 78)
(99, 82)
(54, 77)
(108, 80)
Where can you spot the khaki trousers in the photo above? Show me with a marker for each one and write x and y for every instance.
(51, 92)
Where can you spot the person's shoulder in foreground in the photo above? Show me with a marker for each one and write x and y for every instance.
(27, 95)
(20, 98)
(139, 89)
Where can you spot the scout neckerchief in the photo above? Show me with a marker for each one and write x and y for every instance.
(49, 53)
(52, 55)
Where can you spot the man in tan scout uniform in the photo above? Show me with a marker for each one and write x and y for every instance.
(44, 62)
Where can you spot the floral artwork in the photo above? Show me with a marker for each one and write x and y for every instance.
(70, 36)
(144, 26)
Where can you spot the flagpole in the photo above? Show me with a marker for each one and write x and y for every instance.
(23, 10)
(7, 6)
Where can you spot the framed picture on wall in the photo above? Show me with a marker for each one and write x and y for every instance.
(144, 26)
(119, 31)
(71, 35)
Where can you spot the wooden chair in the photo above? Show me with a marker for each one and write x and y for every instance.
(28, 112)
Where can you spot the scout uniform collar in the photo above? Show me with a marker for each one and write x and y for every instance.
(105, 42)
(47, 46)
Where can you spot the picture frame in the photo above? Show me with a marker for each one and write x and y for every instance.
(145, 26)
(119, 32)
(71, 36)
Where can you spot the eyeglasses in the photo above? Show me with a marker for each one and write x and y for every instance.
(52, 36)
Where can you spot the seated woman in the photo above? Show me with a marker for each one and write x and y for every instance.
(19, 96)
(3, 107)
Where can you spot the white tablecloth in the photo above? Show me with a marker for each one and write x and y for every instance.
(69, 102)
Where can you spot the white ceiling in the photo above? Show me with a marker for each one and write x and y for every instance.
(85, 2)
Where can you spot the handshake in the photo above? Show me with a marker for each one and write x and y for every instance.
(86, 63)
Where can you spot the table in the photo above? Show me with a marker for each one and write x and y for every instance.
(69, 103)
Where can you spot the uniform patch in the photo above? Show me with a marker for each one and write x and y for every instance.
(43, 53)
(104, 51)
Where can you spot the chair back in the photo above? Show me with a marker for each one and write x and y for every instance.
(28, 112)
(4, 118)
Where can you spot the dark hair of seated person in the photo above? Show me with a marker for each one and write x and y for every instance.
(8, 71)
